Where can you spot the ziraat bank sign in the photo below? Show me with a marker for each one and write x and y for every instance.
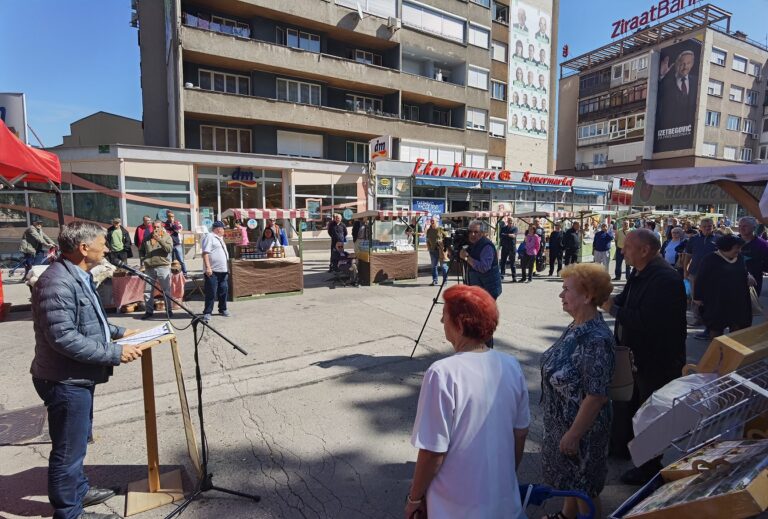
(656, 12)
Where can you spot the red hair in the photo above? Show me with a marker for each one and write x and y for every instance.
(473, 309)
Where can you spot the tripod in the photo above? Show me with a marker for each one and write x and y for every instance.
(461, 276)
(206, 479)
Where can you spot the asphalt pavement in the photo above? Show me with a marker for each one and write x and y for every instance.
(316, 419)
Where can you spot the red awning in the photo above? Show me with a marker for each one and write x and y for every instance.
(19, 160)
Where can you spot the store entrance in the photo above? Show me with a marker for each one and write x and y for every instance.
(471, 205)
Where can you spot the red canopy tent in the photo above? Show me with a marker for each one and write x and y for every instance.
(22, 163)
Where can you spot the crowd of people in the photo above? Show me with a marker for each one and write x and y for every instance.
(474, 402)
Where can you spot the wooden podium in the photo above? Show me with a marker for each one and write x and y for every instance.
(160, 489)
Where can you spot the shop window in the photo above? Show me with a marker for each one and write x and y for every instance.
(109, 181)
(135, 212)
(12, 217)
(97, 207)
(155, 184)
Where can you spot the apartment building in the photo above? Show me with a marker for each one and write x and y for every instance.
(685, 92)
(464, 86)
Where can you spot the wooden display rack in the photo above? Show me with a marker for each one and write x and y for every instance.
(729, 352)
(160, 489)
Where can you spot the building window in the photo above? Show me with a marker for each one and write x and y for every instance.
(734, 123)
(736, 94)
(218, 24)
(382, 8)
(298, 39)
(739, 64)
(475, 159)
(411, 151)
(220, 82)
(431, 20)
(752, 97)
(715, 88)
(495, 162)
(754, 69)
(497, 127)
(499, 51)
(498, 90)
(358, 103)
(368, 58)
(765, 125)
(709, 149)
(500, 13)
(410, 112)
(299, 144)
(476, 118)
(298, 92)
(477, 77)
(441, 117)
(748, 126)
(745, 155)
(599, 159)
(478, 36)
(713, 118)
(591, 131)
(763, 153)
(484, 3)
(626, 127)
(718, 57)
(225, 139)
(357, 152)
(729, 153)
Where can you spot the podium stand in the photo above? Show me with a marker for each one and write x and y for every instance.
(160, 489)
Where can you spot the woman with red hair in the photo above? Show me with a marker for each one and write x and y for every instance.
(472, 419)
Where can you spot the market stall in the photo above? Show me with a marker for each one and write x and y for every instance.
(127, 289)
(254, 273)
(493, 219)
(386, 249)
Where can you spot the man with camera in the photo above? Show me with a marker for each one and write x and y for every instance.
(482, 260)
(155, 252)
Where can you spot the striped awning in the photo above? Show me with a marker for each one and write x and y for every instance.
(478, 214)
(389, 215)
(261, 214)
(563, 214)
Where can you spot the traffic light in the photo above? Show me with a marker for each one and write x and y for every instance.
(565, 51)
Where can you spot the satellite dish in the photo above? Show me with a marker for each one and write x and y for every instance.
(360, 11)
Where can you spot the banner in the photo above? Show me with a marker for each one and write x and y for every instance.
(434, 208)
(14, 115)
(678, 88)
(647, 194)
(528, 87)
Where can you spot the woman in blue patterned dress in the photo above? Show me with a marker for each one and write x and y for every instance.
(576, 372)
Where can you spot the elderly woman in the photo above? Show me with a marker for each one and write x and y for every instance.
(576, 373)
(722, 288)
(472, 420)
(674, 247)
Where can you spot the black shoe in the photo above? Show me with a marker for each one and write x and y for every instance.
(94, 496)
(639, 476)
(551, 272)
(617, 278)
(146, 316)
(94, 515)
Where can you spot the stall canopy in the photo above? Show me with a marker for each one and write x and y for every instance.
(388, 215)
(478, 214)
(22, 163)
(261, 214)
(728, 178)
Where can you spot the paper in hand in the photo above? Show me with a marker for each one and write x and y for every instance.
(147, 335)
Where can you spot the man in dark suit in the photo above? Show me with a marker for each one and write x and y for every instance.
(677, 101)
(556, 250)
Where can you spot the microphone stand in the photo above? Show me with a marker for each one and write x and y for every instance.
(206, 479)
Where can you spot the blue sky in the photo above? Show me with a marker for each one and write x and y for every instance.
(76, 57)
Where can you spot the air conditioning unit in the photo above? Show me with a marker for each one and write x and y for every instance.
(394, 23)
(755, 136)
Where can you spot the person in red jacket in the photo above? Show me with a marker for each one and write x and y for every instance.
(143, 232)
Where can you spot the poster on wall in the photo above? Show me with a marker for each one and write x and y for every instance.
(434, 208)
(678, 88)
(530, 40)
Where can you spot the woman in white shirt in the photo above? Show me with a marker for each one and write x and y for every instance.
(472, 420)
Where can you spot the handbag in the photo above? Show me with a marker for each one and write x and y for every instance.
(623, 381)
(757, 308)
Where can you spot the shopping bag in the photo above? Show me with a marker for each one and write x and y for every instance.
(757, 308)
(622, 384)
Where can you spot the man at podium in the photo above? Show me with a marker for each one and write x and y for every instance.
(74, 351)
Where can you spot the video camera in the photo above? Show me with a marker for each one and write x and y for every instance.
(457, 240)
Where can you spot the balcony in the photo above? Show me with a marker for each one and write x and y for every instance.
(229, 108)
(237, 54)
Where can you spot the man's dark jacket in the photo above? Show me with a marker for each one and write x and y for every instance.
(571, 240)
(651, 321)
(556, 241)
(337, 232)
(69, 338)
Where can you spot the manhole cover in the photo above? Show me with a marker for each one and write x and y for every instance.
(22, 424)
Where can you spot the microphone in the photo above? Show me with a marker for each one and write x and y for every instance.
(135, 271)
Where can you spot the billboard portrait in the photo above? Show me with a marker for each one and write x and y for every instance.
(678, 89)
(530, 34)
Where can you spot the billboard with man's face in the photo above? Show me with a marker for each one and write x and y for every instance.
(678, 88)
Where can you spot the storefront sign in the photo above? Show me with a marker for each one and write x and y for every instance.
(647, 194)
(313, 209)
(252, 224)
(380, 148)
(242, 177)
(422, 168)
(549, 180)
(13, 114)
(656, 12)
